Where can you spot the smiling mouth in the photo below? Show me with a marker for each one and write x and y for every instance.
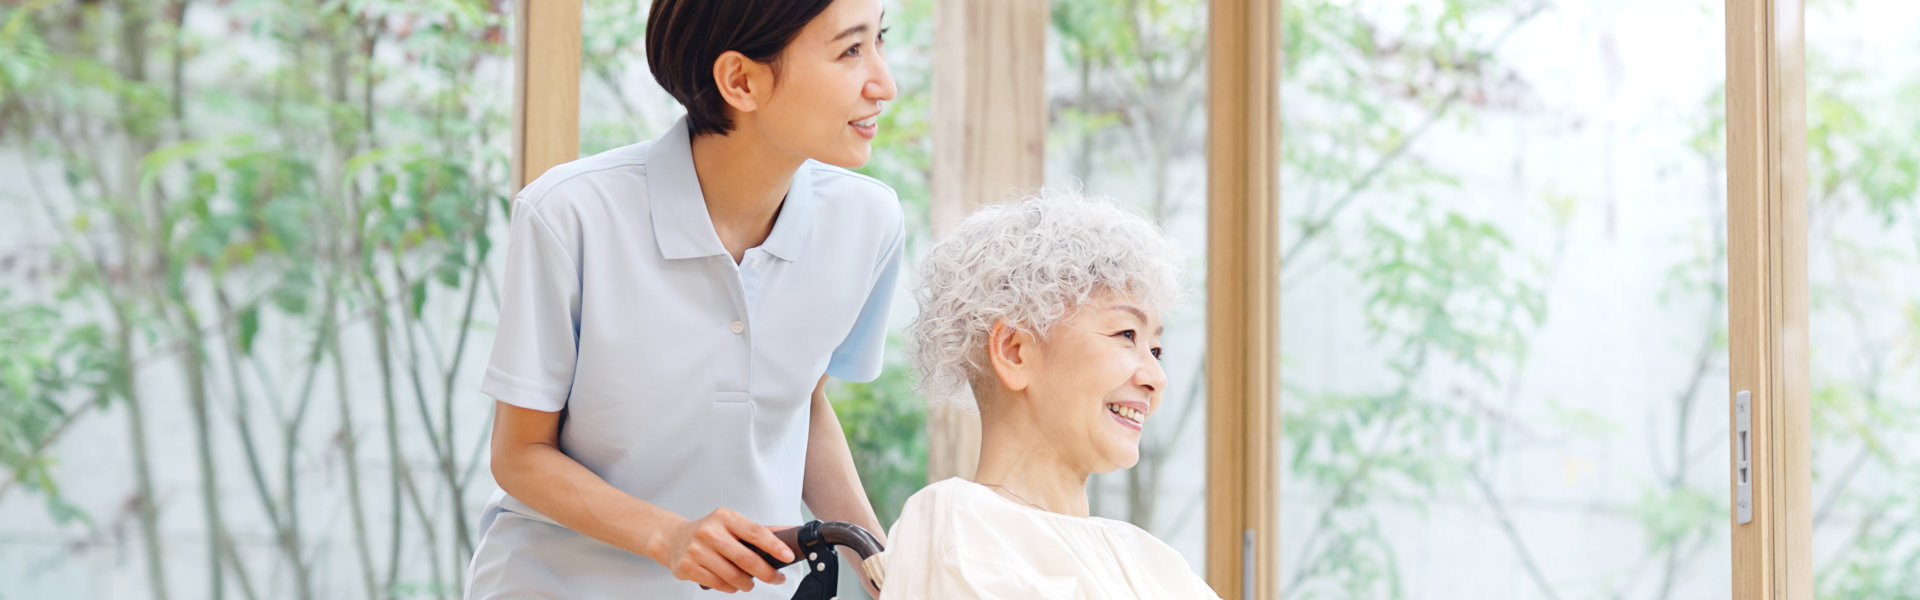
(1128, 414)
(869, 122)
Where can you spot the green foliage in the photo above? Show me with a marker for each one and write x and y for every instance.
(315, 167)
(1672, 517)
(1854, 156)
(1862, 190)
(23, 54)
(1450, 290)
(43, 363)
(885, 422)
(1883, 561)
(613, 38)
(1451, 302)
(903, 150)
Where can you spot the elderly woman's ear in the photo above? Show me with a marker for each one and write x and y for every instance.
(1010, 352)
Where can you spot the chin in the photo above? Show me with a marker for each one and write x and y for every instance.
(846, 161)
(1125, 460)
(849, 152)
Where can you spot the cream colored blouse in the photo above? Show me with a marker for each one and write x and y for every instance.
(959, 540)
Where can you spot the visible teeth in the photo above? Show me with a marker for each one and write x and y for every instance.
(867, 122)
(1128, 413)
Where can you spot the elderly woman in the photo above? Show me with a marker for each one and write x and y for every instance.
(1048, 311)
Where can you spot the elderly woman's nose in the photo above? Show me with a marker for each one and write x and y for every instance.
(1151, 376)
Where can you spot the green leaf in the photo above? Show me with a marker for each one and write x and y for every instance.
(19, 378)
(419, 299)
(448, 273)
(65, 512)
(249, 328)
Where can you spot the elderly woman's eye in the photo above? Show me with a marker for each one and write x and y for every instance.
(1127, 334)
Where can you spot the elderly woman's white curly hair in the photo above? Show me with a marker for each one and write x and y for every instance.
(1030, 262)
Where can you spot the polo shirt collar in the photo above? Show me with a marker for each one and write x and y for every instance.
(681, 224)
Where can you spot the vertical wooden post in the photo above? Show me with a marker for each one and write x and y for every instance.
(1243, 299)
(546, 86)
(1767, 295)
(989, 145)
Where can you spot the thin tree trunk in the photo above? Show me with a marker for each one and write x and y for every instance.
(286, 536)
(444, 462)
(418, 504)
(149, 513)
(383, 352)
(349, 445)
(197, 401)
(346, 225)
(230, 551)
(1512, 532)
(289, 451)
(464, 551)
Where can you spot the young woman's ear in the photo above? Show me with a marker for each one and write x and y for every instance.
(741, 81)
(1010, 352)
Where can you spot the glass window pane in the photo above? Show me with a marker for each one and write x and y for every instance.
(620, 103)
(1863, 151)
(1504, 300)
(247, 247)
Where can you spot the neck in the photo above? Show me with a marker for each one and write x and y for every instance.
(1018, 457)
(744, 182)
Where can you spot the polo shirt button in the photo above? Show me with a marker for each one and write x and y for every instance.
(739, 327)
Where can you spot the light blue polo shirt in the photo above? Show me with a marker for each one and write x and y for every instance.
(686, 378)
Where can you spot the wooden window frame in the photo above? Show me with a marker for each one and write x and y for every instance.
(1243, 298)
(546, 86)
(1767, 301)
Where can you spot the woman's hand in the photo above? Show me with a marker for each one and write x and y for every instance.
(712, 551)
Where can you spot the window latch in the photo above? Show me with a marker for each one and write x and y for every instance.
(1743, 461)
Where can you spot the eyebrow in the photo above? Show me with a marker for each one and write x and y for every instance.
(1141, 315)
(854, 30)
(857, 29)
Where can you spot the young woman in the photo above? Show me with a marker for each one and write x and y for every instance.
(1048, 310)
(672, 309)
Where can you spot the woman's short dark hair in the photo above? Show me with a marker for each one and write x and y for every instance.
(685, 37)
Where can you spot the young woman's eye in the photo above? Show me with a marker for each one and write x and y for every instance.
(881, 39)
(1127, 334)
(1156, 354)
(851, 52)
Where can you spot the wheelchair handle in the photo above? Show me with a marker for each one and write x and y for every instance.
(812, 536)
(813, 543)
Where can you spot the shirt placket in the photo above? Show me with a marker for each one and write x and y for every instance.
(738, 353)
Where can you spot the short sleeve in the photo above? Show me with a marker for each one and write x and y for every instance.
(537, 341)
(858, 357)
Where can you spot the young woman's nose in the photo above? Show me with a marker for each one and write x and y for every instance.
(880, 87)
